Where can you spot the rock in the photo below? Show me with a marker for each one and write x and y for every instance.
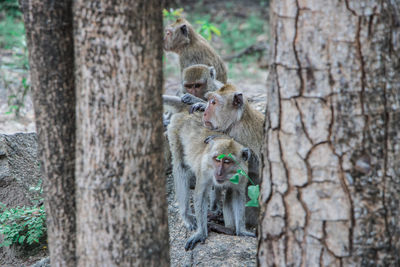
(218, 249)
(42, 263)
(19, 168)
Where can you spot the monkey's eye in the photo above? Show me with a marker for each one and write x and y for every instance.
(217, 159)
(212, 101)
(227, 161)
(197, 85)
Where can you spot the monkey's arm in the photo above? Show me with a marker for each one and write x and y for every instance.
(190, 99)
(173, 103)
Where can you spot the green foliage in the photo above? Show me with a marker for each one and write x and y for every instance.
(10, 7)
(253, 190)
(207, 29)
(22, 225)
(12, 33)
(16, 102)
(172, 14)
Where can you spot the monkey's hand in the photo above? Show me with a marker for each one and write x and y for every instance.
(197, 107)
(211, 137)
(190, 99)
(194, 239)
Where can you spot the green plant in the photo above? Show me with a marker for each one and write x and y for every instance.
(172, 14)
(10, 7)
(253, 190)
(12, 33)
(22, 225)
(16, 102)
(207, 29)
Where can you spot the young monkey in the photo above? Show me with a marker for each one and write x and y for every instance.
(192, 156)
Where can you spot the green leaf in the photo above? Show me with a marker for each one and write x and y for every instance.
(234, 179)
(21, 239)
(165, 12)
(239, 171)
(215, 30)
(253, 191)
(252, 203)
(221, 156)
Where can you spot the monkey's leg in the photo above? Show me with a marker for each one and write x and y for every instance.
(228, 210)
(181, 179)
(238, 209)
(215, 197)
(200, 207)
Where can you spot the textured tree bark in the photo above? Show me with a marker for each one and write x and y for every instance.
(121, 196)
(51, 56)
(331, 188)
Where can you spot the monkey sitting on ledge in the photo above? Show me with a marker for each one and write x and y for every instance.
(192, 156)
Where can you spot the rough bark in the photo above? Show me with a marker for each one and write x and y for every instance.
(331, 188)
(121, 197)
(49, 37)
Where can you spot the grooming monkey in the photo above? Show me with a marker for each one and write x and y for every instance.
(228, 111)
(192, 156)
(197, 80)
(192, 48)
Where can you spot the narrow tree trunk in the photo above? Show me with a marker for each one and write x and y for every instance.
(121, 196)
(331, 189)
(49, 36)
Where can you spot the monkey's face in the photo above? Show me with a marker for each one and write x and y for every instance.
(176, 36)
(224, 169)
(197, 88)
(222, 111)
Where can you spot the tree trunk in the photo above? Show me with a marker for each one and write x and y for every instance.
(331, 189)
(121, 196)
(49, 36)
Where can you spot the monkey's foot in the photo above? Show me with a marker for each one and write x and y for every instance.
(190, 222)
(197, 107)
(246, 233)
(194, 239)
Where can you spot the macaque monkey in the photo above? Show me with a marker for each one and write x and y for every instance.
(192, 156)
(197, 80)
(192, 48)
(228, 111)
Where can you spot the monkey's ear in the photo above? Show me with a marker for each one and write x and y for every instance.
(212, 73)
(184, 30)
(238, 100)
(246, 154)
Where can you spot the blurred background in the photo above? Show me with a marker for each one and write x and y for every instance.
(238, 31)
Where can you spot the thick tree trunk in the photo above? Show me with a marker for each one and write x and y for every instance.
(49, 36)
(121, 196)
(331, 189)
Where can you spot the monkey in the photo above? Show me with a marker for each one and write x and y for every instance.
(192, 48)
(228, 111)
(196, 82)
(192, 156)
